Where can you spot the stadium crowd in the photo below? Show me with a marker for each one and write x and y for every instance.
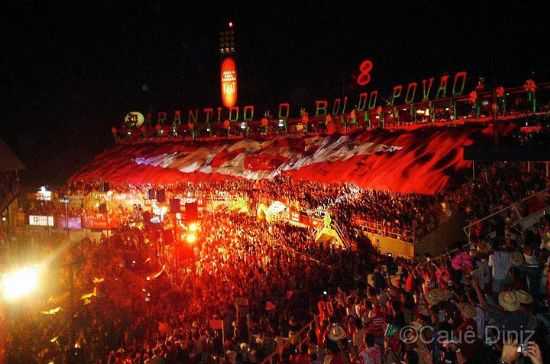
(247, 290)
(148, 300)
(408, 217)
(261, 283)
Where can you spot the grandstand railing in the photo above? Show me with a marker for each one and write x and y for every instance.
(450, 110)
(514, 206)
(181, 134)
(382, 228)
(343, 235)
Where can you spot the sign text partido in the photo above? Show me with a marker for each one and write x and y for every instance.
(429, 89)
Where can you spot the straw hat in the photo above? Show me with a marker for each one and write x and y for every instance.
(243, 346)
(509, 301)
(467, 310)
(517, 258)
(336, 333)
(438, 295)
(370, 279)
(524, 297)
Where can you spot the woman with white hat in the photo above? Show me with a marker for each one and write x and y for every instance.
(336, 355)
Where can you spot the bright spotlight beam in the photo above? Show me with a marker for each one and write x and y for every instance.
(19, 283)
(193, 227)
(191, 239)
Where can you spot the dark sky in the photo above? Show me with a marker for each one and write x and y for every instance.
(72, 69)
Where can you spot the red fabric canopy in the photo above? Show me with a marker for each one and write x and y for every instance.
(420, 160)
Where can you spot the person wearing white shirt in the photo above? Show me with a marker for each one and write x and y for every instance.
(482, 273)
(500, 262)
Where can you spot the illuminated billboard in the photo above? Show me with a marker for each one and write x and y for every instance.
(228, 73)
(40, 220)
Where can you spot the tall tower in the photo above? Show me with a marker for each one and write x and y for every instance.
(228, 66)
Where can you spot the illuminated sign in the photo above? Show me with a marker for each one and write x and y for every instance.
(229, 82)
(444, 87)
(134, 119)
(43, 194)
(73, 222)
(100, 221)
(365, 68)
(39, 220)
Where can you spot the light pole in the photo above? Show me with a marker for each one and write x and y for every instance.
(70, 267)
(70, 312)
(71, 308)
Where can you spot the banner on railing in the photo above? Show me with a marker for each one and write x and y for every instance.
(100, 221)
(73, 222)
(41, 220)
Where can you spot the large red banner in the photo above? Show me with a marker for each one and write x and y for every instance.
(410, 161)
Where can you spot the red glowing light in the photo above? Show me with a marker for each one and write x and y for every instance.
(229, 82)
(230, 24)
(365, 76)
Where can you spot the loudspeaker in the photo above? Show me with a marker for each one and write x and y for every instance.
(151, 194)
(175, 205)
(161, 196)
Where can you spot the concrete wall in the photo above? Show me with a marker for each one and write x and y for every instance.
(387, 245)
(444, 237)
(435, 243)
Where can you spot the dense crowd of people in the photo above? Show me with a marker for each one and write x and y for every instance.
(246, 288)
(155, 299)
(407, 216)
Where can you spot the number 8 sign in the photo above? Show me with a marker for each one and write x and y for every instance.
(364, 77)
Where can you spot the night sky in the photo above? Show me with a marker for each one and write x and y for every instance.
(72, 70)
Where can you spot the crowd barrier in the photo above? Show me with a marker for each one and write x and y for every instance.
(384, 229)
(488, 107)
(532, 204)
(389, 245)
